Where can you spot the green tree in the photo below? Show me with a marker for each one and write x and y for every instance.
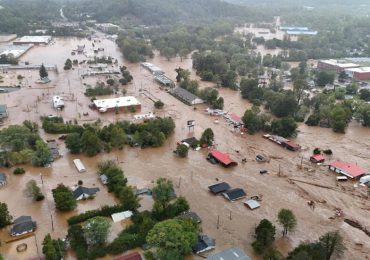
(42, 72)
(168, 52)
(207, 137)
(110, 82)
(329, 246)
(284, 127)
(287, 219)
(338, 119)
(74, 143)
(91, 144)
(324, 78)
(173, 239)
(183, 53)
(249, 89)
(96, 231)
(5, 217)
(265, 236)
(182, 150)
(332, 245)
(272, 254)
(33, 191)
(42, 155)
(68, 64)
(253, 121)
(163, 191)
(53, 249)
(129, 200)
(158, 104)
(63, 198)
(351, 89)
(118, 137)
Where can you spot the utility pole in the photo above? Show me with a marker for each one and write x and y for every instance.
(218, 221)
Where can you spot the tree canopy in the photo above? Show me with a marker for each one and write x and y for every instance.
(173, 239)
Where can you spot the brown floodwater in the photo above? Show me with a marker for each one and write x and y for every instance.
(191, 175)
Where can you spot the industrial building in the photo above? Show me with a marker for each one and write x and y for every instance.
(294, 30)
(335, 65)
(37, 40)
(362, 73)
(124, 104)
(15, 50)
(152, 68)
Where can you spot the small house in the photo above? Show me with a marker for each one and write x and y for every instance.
(317, 158)
(3, 111)
(219, 188)
(234, 194)
(350, 170)
(234, 253)
(84, 193)
(191, 215)
(3, 179)
(252, 204)
(23, 225)
(222, 158)
(204, 244)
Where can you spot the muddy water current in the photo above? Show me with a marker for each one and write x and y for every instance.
(289, 184)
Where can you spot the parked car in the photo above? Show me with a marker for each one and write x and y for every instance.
(263, 171)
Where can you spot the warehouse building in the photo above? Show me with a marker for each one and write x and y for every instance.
(362, 73)
(124, 104)
(336, 65)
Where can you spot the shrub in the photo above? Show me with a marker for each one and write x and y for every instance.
(158, 104)
(104, 211)
(182, 150)
(19, 171)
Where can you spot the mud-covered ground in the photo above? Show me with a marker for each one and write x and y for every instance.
(299, 180)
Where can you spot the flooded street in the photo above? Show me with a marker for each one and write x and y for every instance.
(191, 175)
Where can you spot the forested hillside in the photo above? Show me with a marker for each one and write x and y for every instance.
(18, 16)
(157, 12)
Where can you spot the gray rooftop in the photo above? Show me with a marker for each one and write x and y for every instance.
(22, 225)
(83, 190)
(185, 95)
(234, 253)
(3, 177)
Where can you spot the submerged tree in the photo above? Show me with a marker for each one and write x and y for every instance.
(207, 137)
(5, 217)
(287, 219)
(43, 73)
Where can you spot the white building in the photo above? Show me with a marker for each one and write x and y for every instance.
(121, 103)
(33, 40)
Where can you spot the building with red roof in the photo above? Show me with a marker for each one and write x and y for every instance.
(317, 158)
(234, 119)
(222, 158)
(350, 170)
